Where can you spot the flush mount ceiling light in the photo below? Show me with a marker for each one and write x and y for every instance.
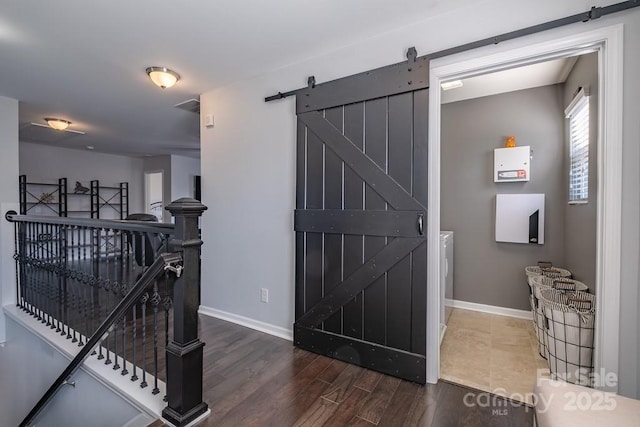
(162, 76)
(57, 124)
(451, 85)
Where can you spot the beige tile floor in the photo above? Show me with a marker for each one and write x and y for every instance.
(492, 353)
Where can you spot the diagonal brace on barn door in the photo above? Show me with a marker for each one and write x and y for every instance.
(361, 164)
(359, 280)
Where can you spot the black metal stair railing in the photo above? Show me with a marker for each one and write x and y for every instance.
(162, 263)
(72, 273)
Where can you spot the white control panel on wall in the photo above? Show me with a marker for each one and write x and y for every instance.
(520, 218)
(511, 164)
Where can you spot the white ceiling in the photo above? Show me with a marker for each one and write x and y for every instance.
(527, 77)
(85, 61)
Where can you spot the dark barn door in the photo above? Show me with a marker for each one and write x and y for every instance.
(360, 219)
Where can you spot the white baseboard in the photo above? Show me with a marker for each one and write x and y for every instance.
(491, 309)
(267, 328)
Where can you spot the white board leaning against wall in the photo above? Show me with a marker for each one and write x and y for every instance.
(520, 218)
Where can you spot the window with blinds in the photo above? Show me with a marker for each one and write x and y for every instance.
(578, 115)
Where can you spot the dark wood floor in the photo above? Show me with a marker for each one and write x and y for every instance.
(254, 379)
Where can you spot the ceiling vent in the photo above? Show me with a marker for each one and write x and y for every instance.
(36, 132)
(192, 105)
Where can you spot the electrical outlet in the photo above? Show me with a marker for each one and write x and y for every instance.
(264, 295)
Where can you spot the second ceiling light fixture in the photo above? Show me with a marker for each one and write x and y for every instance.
(163, 77)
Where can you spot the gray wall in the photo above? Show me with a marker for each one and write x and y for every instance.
(485, 271)
(89, 403)
(177, 177)
(45, 163)
(183, 170)
(581, 220)
(248, 159)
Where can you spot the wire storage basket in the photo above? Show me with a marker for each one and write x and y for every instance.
(545, 268)
(537, 283)
(538, 325)
(569, 326)
(535, 274)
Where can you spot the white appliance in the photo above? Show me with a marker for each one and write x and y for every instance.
(511, 164)
(446, 278)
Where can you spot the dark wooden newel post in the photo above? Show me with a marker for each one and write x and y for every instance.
(184, 351)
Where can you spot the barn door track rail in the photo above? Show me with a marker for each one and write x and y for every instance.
(590, 15)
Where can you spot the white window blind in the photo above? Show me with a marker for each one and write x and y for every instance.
(578, 115)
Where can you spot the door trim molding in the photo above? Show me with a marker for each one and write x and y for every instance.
(608, 42)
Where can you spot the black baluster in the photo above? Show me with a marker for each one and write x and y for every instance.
(27, 255)
(86, 284)
(24, 254)
(40, 258)
(155, 302)
(16, 257)
(45, 274)
(96, 281)
(79, 285)
(52, 288)
(75, 254)
(116, 294)
(53, 276)
(99, 284)
(134, 376)
(30, 281)
(64, 275)
(143, 301)
(25, 267)
(44, 304)
(29, 266)
(76, 295)
(69, 282)
(127, 245)
(124, 333)
(107, 288)
(58, 277)
(34, 273)
(166, 303)
(38, 282)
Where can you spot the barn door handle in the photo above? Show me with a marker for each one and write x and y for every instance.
(421, 224)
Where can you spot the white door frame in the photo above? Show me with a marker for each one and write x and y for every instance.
(147, 192)
(608, 42)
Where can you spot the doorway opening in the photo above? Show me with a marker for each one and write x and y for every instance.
(606, 42)
(490, 340)
(153, 194)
